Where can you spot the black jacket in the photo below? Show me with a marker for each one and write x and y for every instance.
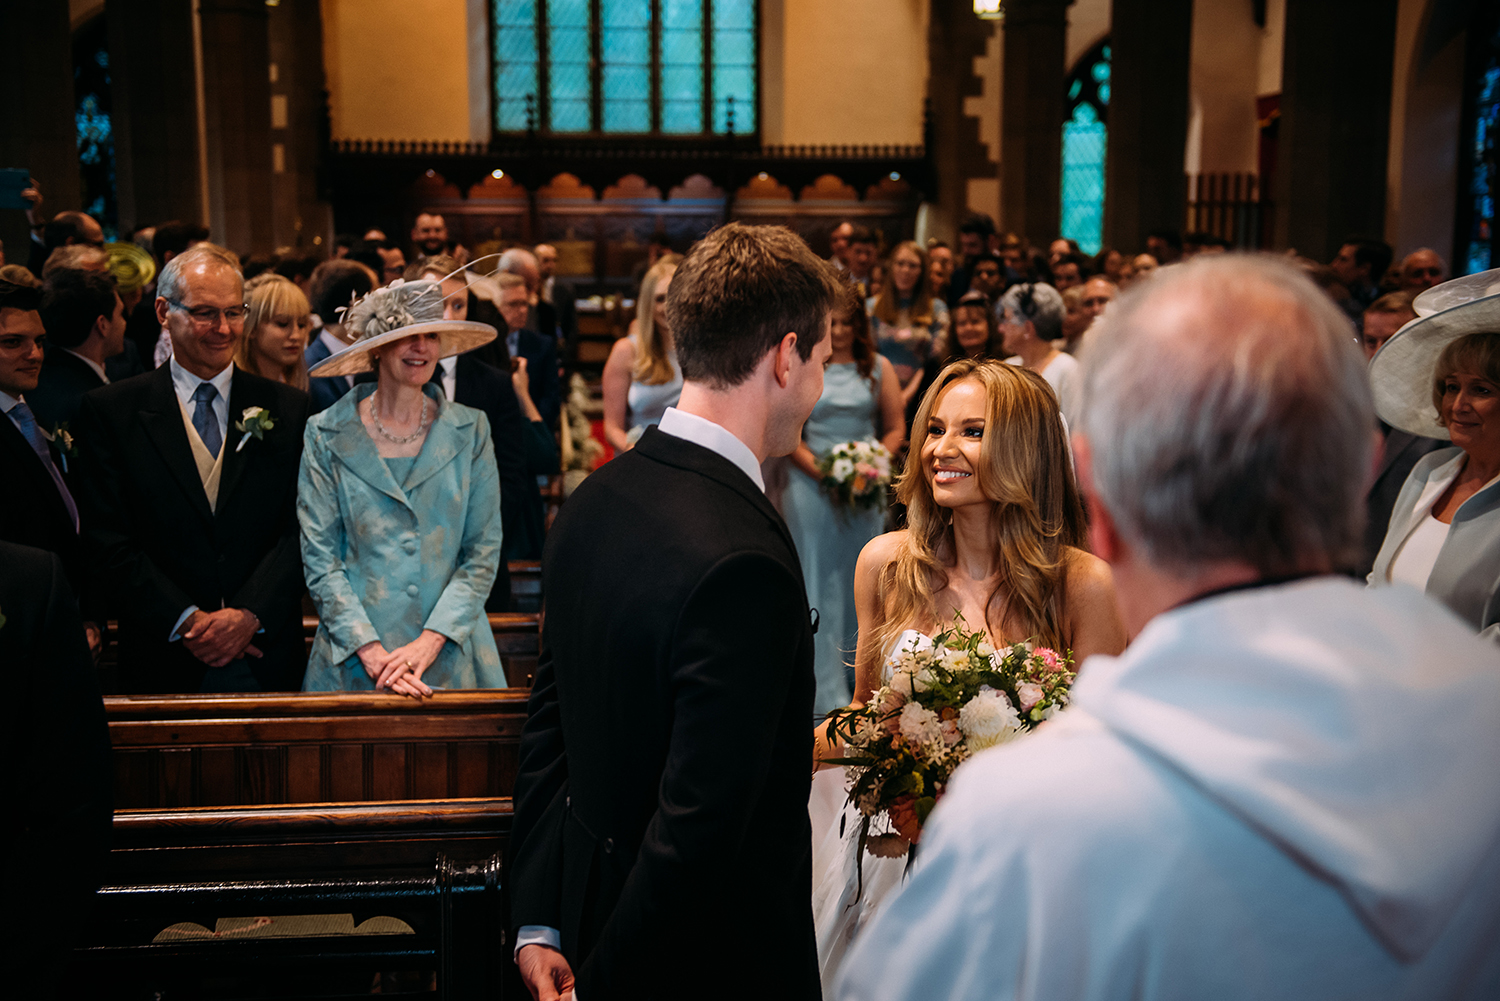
(160, 548)
(58, 777)
(66, 377)
(541, 371)
(33, 513)
(661, 820)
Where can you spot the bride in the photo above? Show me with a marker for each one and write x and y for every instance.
(995, 532)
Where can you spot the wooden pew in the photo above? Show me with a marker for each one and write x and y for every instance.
(324, 747)
(526, 585)
(236, 806)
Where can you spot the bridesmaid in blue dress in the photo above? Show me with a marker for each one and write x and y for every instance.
(642, 378)
(861, 399)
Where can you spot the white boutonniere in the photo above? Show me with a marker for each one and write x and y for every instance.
(254, 421)
(63, 441)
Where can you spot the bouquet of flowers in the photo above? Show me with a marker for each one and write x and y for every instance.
(857, 473)
(944, 702)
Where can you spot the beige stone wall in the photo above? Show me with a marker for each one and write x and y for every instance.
(397, 69)
(853, 71)
(1422, 167)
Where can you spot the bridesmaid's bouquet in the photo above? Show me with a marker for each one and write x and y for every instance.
(857, 473)
(944, 702)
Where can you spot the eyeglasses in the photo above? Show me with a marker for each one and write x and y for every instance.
(208, 316)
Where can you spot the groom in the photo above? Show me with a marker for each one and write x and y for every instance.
(661, 842)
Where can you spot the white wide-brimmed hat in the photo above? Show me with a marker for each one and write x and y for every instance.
(400, 309)
(1402, 369)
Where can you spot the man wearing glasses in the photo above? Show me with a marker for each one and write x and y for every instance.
(188, 481)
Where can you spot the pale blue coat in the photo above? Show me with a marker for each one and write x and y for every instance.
(384, 560)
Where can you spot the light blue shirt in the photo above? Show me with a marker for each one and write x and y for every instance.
(186, 384)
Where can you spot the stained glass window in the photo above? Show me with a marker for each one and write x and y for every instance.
(682, 66)
(677, 67)
(1482, 148)
(515, 62)
(1085, 141)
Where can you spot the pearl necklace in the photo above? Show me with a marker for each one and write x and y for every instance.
(399, 439)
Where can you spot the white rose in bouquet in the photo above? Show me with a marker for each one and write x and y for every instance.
(988, 719)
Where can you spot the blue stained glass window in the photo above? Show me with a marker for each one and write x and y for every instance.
(1085, 141)
(1482, 147)
(515, 62)
(682, 66)
(734, 65)
(625, 38)
(644, 50)
(569, 59)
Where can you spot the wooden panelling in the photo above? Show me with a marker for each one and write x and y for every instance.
(242, 750)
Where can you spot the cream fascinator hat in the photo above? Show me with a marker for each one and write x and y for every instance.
(400, 309)
(130, 266)
(1402, 369)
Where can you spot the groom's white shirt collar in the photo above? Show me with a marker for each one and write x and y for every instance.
(715, 438)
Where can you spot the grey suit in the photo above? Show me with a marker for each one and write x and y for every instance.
(1467, 575)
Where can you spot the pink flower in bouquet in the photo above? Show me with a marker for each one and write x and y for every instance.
(1049, 658)
(951, 733)
(1029, 694)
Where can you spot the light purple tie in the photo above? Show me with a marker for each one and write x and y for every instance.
(26, 421)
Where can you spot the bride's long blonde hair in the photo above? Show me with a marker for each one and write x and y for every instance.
(1026, 469)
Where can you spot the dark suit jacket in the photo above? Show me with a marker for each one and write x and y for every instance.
(65, 378)
(541, 369)
(32, 512)
(661, 820)
(58, 778)
(158, 546)
(325, 392)
(564, 304)
(1402, 450)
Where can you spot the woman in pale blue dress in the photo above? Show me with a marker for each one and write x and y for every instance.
(861, 401)
(909, 324)
(399, 507)
(642, 378)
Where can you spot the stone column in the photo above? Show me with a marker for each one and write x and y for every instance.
(955, 38)
(237, 104)
(1031, 120)
(1335, 123)
(155, 111)
(1145, 185)
(37, 130)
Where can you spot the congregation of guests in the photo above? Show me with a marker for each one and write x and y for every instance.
(169, 489)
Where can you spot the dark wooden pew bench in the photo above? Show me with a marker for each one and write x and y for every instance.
(270, 806)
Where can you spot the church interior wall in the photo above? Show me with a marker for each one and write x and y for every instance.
(397, 70)
(1225, 77)
(1426, 97)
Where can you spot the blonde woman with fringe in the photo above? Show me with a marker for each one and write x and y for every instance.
(908, 322)
(642, 378)
(277, 329)
(995, 533)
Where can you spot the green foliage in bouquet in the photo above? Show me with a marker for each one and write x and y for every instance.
(942, 704)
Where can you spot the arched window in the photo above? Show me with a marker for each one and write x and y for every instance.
(1482, 153)
(1085, 140)
(667, 67)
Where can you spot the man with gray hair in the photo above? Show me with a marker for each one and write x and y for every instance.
(1284, 788)
(187, 494)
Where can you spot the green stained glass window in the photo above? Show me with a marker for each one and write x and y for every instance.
(682, 66)
(516, 61)
(569, 57)
(734, 65)
(673, 67)
(1085, 141)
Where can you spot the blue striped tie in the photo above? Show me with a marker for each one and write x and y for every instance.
(204, 421)
(26, 421)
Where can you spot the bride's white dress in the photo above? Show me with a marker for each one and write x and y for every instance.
(837, 914)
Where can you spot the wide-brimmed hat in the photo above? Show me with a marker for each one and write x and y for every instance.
(1402, 370)
(400, 309)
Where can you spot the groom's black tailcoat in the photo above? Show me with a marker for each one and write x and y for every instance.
(661, 806)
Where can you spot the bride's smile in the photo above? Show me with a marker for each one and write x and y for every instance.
(951, 449)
